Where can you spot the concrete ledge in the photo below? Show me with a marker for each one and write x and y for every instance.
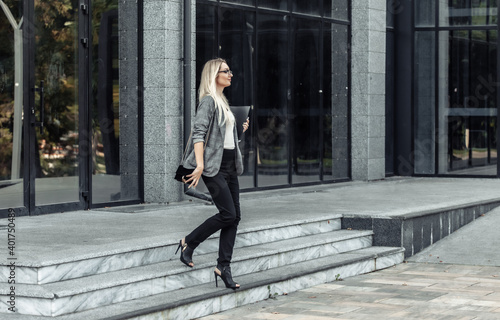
(418, 230)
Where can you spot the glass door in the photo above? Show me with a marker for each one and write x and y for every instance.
(56, 46)
(43, 85)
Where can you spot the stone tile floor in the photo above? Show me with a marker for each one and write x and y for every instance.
(406, 291)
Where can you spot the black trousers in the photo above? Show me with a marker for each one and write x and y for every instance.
(225, 191)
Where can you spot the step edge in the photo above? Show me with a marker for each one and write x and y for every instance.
(274, 278)
(136, 278)
(38, 264)
(257, 284)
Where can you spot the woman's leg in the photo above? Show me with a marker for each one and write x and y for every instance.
(228, 233)
(223, 200)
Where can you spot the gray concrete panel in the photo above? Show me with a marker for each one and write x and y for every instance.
(155, 15)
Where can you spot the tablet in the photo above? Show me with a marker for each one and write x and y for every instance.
(241, 115)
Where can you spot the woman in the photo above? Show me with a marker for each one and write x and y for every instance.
(218, 161)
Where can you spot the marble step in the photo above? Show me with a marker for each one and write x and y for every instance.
(206, 299)
(76, 295)
(77, 266)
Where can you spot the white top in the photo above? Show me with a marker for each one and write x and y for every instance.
(229, 138)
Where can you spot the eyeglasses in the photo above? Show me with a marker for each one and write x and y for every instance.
(226, 72)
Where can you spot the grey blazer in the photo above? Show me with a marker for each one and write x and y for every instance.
(214, 149)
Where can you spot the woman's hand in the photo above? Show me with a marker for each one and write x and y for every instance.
(194, 177)
(246, 125)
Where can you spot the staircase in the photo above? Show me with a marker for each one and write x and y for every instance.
(151, 281)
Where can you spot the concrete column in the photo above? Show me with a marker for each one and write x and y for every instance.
(368, 89)
(163, 96)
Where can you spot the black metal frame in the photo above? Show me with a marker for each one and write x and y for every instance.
(218, 5)
(404, 93)
(437, 28)
(390, 139)
(85, 76)
(85, 126)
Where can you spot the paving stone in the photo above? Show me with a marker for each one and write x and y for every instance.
(382, 295)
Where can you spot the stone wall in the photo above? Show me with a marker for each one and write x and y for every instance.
(163, 97)
(368, 89)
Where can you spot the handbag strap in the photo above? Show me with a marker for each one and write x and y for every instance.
(206, 137)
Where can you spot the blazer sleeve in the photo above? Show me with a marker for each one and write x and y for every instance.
(202, 119)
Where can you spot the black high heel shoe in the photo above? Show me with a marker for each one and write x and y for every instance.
(225, 275)
(186, 254)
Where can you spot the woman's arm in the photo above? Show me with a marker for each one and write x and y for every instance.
(202, 119)
(201, 126)
(195, 177)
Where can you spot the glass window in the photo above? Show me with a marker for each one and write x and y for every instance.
(206, 49)
(11, 107)
(306, 109)
(56, 71)
(206, 44)
(467, 96)
(309, 7)
(237, 46)
(425, 12)
(272, 100)
(247, 2)
(274, 4)
(493, 10)
(296, 77)
(425, 97)
(115, 118)
(336, 9)
(476, 12)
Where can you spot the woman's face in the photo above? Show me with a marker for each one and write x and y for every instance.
(224, 76)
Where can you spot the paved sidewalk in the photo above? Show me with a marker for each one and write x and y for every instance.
(456, 278)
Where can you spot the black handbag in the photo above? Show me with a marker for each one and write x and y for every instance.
(182, 172)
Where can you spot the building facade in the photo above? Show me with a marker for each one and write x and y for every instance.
(97, 97)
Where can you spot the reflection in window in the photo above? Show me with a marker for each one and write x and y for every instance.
(336, 9)
(295, 75)
(477, 12)
(56, 159)
(469, 101)
(424, 12)
(273, 4)
(115, 164)
(247, 2)
(206, 45)
(425, 102)
(306, 108)
(310, 7)
(11, 105)
(272, 100)
(237, 38)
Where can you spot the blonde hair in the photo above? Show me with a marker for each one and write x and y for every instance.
(208, 87)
